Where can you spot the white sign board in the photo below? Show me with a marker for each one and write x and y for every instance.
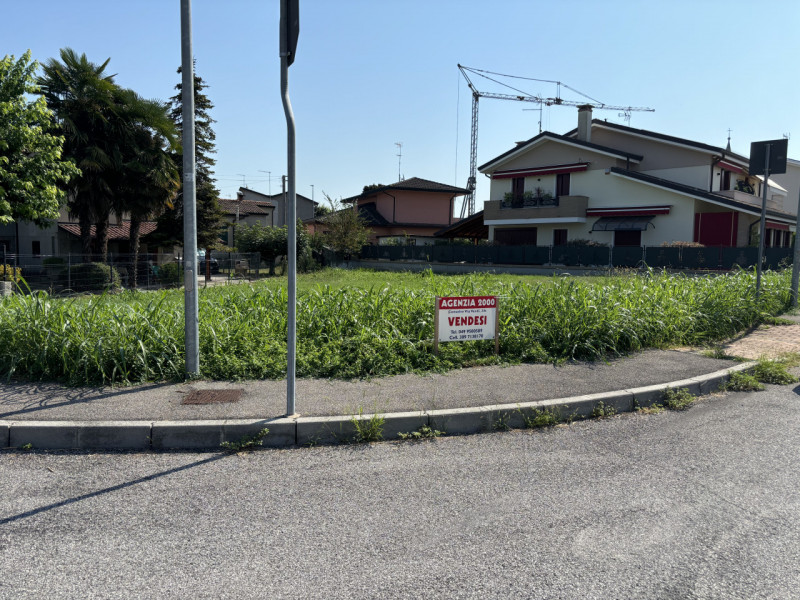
(465, 319)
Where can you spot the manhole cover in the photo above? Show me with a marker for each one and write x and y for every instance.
(213, 396)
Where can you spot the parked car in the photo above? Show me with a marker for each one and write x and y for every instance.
(201, 263)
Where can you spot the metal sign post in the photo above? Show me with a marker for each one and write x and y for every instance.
(766, 158)
(796, 261)
(289, 31)
(762, 227)
(191, 318)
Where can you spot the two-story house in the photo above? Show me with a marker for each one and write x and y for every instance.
(244, 212)
(628, 187)
(410, 211)
(304, 206)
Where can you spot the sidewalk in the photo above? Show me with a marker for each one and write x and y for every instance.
(201, 414)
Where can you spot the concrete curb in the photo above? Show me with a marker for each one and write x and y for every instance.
(302, 431)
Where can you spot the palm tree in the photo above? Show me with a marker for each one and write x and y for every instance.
(82, 97)
(149, 178)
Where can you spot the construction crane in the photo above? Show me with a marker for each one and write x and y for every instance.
(520, 96)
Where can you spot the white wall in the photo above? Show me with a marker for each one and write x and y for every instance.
(791, 181)
(696, 176)
(607, 191)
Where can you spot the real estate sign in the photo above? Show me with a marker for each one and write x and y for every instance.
(466, 318)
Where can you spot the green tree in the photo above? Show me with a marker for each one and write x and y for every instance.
(270, 242)
(209, 214)
(149, 178)
(346, 232)
(31, 163)
(85, 102)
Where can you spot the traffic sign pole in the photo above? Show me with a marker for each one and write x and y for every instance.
(289, 30)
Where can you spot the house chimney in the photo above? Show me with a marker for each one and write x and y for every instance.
(585, 123)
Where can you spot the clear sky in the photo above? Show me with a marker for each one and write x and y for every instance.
(372, 73)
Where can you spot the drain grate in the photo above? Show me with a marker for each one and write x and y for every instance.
(213, 396)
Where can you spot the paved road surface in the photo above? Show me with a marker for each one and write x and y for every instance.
(697, 504)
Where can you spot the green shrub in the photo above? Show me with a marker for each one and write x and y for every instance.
(170, 273)
(584, 243)
(52, 261)
(91, 277)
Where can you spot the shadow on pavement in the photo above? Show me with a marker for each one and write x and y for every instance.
(108, 490)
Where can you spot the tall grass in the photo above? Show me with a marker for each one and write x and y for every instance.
(382, 329)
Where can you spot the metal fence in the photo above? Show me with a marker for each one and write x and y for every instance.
(74, 273)
(672, 257)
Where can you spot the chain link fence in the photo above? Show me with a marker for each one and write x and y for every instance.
(670, 257)
(76, 274)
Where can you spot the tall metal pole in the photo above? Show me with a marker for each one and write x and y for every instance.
(762, 229)
(796, 261)
(191, 319)
(291, 223)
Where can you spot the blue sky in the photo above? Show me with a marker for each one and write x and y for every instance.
(369, 74)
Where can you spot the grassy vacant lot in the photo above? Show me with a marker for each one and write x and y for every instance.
(358, 324)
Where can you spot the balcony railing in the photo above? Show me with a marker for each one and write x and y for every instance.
(529, 201)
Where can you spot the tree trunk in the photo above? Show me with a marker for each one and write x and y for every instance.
(136, 226)
(86, 235)
(101, 234)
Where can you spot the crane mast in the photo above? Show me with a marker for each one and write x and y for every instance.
(469, 200)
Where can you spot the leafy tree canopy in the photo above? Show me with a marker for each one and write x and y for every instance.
(31, 164)
(372, 186)
(345, 230)
(270, 242)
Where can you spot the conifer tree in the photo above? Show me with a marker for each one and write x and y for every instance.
(209, 213)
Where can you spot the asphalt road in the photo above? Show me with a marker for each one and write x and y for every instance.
(696, 504)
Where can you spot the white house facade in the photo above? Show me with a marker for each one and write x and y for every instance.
(629, 187)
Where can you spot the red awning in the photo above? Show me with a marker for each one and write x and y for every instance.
(549, 170)
(774, 225)
(729, 167)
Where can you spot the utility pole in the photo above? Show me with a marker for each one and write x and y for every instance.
(191, 318)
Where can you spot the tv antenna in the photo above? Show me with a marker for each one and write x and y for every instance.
(520, 96)
(399, 158)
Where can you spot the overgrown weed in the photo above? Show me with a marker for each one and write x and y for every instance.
(247, 442)
(742, 382)
(773, 371)
(602, 410)
(537, 418)
(424, 432)
(380, 325)
(367, 429)
(677, 398)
